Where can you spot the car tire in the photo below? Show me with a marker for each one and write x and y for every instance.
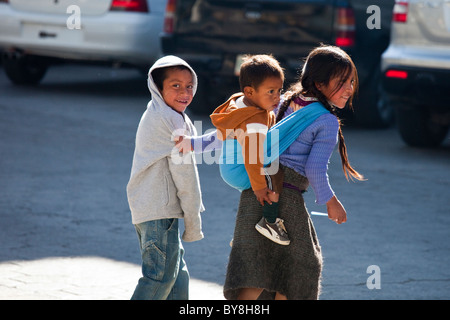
(417, 128)
(24, 69)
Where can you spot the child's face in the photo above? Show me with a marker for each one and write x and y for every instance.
(177, 89)
(339, 97)
(267, 95)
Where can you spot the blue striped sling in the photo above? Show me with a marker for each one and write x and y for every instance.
(278, 139)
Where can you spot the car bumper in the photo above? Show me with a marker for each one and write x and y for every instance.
(122, 37)
(420, 77)
(432, 57)
(219, 55)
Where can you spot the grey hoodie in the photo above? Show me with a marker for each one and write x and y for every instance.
(163, 183)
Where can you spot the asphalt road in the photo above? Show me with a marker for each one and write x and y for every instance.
(66, 148)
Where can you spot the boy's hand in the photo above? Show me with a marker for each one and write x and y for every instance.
(263, 195)
(183, 144)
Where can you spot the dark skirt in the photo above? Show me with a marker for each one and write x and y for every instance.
(257, 262)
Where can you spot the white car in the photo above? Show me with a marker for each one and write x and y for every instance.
(416, 70)
(34, 32)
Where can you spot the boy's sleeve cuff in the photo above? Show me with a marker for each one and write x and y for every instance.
(190, 237)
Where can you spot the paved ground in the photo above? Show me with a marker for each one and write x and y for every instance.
(81, 278)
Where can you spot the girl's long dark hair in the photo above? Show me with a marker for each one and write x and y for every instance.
(323, 64)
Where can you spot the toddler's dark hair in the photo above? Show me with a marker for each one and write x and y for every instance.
(257, 68)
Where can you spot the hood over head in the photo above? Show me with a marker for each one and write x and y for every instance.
(164, 62)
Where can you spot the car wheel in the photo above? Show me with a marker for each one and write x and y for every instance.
(23, 69)
(417, 128)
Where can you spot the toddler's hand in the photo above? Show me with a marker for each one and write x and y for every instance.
(263, 195)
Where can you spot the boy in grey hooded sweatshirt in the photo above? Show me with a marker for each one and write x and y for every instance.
(164, 184)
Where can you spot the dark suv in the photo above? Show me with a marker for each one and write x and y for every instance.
(213, 35)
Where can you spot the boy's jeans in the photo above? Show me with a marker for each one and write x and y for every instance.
(165, 274)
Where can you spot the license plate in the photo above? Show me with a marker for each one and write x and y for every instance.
(238, 63)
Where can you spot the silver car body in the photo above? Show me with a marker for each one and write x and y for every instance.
(48, 28)
(424, 39)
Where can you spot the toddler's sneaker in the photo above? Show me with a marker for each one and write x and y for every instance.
(273, 231)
